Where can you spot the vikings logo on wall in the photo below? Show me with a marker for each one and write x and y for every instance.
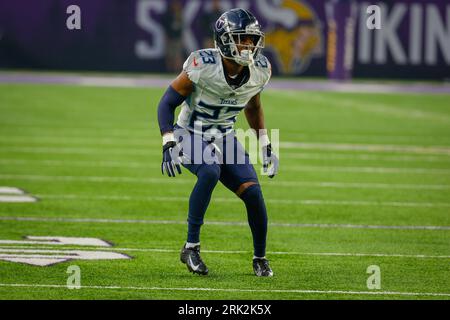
(294, 36)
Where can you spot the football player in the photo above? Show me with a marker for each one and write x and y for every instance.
(213, 88)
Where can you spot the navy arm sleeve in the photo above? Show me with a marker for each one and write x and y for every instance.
(166, 109)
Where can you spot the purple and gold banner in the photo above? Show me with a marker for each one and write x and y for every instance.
(303, 37)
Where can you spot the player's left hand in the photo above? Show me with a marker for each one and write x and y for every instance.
(269, 158)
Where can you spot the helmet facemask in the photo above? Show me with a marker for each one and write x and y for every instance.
(234, 39)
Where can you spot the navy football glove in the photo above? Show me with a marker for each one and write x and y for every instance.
(269, 158)
(171, 159)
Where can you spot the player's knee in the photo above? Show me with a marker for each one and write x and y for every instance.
(254, 201)
(244, 187)
(209, 173)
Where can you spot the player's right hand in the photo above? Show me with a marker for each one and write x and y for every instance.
(171, 159)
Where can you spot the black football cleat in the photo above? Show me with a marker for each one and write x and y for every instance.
(261, 267)
(191, 257)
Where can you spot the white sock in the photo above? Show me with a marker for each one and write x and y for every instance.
(190, 245)
(255, 257)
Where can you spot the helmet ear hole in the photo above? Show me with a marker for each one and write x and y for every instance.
(224, 39)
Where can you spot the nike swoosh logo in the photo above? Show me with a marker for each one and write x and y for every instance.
(193, 266)
(258, 271)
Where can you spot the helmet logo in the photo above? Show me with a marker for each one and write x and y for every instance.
(220, 24)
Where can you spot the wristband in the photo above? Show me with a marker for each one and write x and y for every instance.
(264, 140)
(168, 137)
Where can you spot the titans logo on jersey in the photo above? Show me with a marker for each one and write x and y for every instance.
(214, 105)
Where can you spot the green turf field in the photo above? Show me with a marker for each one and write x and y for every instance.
(352, 167)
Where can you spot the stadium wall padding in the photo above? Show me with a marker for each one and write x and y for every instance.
(118, 35)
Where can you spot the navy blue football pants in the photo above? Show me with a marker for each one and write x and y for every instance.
(223, 160)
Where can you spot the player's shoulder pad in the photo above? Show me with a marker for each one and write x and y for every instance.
(200, 62)
(263, 68)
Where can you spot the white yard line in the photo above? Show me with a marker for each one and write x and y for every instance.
(329, 254)
(357, 185)
(153, 165)
(366, 147)
(79, 150)
(222, 223)
(179, 180)
(286, 155)
(79, 163)
(365, 157)
(47, 249)
(144, 138)
(76, 131)
(306, 202)
(300, 291)
(303, 142)
(377, 148)
(147, 144)
(378, 170)
(86, 140)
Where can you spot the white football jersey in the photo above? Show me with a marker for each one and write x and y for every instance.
(214, 105)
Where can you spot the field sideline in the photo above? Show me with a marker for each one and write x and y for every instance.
(364, 180)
